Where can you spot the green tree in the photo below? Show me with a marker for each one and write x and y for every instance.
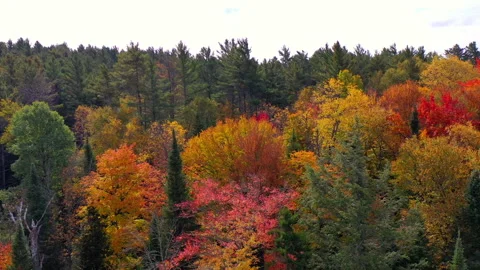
(458, 262)
(20, 255)
(337, 209)
(185, 70)
(89, 159)
(415, 122)
(208, 72)
(130, 72)
(292, 245)
(472, 220)
(472, 53)
(41, 138)
(94, 244)
(176, 185)
(36, 196)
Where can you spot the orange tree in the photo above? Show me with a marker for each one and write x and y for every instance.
(125, 191)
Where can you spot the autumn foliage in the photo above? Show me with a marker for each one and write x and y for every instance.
(125, 191)
(436, 118)
(236, 150)
(5, 256)
(236, 223)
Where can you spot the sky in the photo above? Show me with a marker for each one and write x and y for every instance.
(268, 24)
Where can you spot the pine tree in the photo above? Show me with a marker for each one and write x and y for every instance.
(293, 246)
(176, 184)
(21, 257)
(337, 210)
(458, 262)
(472, 218)
(89, 159)
(94, 243)
(415, 123)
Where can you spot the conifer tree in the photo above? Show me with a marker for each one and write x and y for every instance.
(89, 159)
(415, 122)
(94, 243)
(458, 262)
(21, 259)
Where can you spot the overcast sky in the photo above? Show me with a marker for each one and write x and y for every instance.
(268, 24)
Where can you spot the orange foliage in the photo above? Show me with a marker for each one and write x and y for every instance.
(297, 164)
(402, 99)
(236, 150)
(5, 256)
(125, 191)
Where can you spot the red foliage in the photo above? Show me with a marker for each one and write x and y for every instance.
(262, 116)
(436, 118)
(235, 220)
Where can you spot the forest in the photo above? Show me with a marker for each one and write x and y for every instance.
(162, 159)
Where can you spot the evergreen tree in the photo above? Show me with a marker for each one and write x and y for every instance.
(458, 262)
(94, 244)
(472, 220)
(337, 210)
(176, 185)
(472, 53)
(415, 122)
(89, 159)
(293, 246)
(21, 259)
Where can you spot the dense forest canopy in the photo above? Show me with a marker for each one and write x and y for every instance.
(162, 159)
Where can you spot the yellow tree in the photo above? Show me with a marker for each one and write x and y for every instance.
(446, 73)
(380, 135)
(109, 128)
(125, 191)
(436, 173)
(236, 150)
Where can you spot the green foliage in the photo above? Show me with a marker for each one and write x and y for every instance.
(458, 262)
(199, 115)
(337, 210)
(40, 138)
(415, 122)
(89, 159)
(94, 243)
(291, 244)
(21, 256)
(36, 196)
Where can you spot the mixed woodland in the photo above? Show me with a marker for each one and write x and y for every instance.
(164, 159)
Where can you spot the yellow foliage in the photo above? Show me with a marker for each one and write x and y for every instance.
(109, 128)
(297, 164)
(236, 150)
(445, 73)
(437, 173)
